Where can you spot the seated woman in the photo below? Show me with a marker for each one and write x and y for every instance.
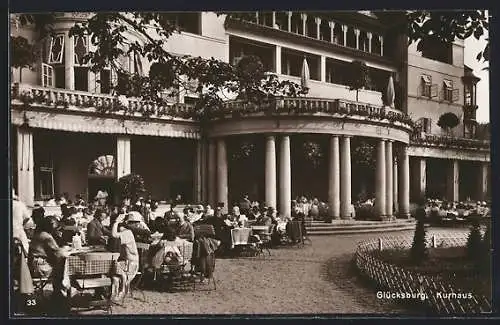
(141, 231)
(46, 258)
(238, 219)
(254, 213)
(167, 250)
(128, 262)
(185, 229)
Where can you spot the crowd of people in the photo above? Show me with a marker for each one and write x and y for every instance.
(47, 239)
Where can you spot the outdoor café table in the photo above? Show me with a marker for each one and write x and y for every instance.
(239, 236)
(256, 230)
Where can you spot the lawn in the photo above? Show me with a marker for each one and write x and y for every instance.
(449, 264)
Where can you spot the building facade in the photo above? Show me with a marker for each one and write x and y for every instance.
(64, 140)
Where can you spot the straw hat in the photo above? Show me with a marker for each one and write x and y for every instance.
(101, 195)
(134, 216)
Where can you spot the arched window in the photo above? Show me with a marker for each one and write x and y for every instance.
(104, 166)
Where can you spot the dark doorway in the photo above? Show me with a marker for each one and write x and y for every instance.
(184, 188)
(97, 184)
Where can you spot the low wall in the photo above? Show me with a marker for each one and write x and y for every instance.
(424, 288)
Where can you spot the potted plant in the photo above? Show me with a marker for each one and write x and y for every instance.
(131, 187)
(358, 77)
(448, 121)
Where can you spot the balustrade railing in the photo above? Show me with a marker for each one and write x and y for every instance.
(449, 141)
(81, 100)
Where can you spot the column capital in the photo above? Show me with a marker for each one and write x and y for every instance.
(344, 28)
(317, 20)
(369, 35)
(345, 136)
(381, 38)
(303, 16)
(331, 24)
(356, 31)
(289, 13)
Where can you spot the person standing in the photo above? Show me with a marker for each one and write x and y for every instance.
(20, 216)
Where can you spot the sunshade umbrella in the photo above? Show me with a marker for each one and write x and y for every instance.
(390, 92)
(305, 75)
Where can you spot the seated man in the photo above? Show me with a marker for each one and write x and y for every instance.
(96, 231)
(185, 229)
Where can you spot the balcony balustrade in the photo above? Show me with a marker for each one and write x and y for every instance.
(73, 100)
(449, 141)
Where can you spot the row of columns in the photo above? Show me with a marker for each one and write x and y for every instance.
(331, 24)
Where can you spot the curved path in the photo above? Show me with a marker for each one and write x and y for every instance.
(316, 279)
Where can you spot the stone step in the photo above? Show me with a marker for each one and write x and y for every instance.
(358, 231)
(327, 226)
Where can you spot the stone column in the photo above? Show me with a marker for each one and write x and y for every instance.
(285, 178)
(212, 172)
(304, 24)
(277, 59)
(331, 24)
(270, 171)
(25, 166)
(389, 209)
(257, 17)
(419, 177)
(69, 62)
(356, 32)
(204, 176)
(483, 181)
(222, 191)
(289, 13)
(404, 182)
(380, 181)
(369, 36)
(345, 178)
(123, 158)
(197, 172)
(334, 178)
(274, 20)
(318, 27)
(395, 185)
(453, 181)
(344, 30)
(322, 67)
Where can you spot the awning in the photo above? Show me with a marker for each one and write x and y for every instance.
(427, 79)
(448, 84)
(94, 124)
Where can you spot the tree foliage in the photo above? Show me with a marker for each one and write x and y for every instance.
(474, 241)
(419, 251)
(448, 121)
(110, 34)
(446, 26)
(23, 54)
(358, 77)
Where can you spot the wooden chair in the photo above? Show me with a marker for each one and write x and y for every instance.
(93, 271)
(179, 276)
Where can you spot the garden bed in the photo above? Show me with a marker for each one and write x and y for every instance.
(449, 264)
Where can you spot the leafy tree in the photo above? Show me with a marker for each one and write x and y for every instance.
(483, 131)
(486, 250)
(131, 187)
(446, 26)
(448, 121)
(418, 251)
(358, 77)
(474, 241)
(169, 75)
(23, 54)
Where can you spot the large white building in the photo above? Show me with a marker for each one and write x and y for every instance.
(62, 142)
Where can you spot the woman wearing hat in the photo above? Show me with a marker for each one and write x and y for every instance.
(101, 199)
(128, 262)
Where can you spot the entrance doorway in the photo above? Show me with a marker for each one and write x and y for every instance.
(101, 177)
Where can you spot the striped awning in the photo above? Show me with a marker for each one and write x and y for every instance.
(94, 124)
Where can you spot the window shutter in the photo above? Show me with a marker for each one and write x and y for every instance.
(456, 94)
(94, 86)
(56, 49)
(434, 90)
(47, 75)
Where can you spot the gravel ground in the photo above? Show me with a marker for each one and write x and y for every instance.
(316, 279)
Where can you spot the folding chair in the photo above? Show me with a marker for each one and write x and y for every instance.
(266, 240)
(136, 284)
(93, 271)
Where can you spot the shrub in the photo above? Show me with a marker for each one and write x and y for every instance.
(474, 241)
(419, 252)
(365, 212)
(131, 187)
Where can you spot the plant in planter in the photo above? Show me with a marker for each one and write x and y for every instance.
(313, 152)
(358, 77)
(131, 187)
(23, 54)
(243, 151)
(448, 121)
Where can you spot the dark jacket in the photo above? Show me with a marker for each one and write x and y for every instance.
(95, 232)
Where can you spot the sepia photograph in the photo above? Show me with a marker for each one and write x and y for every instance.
(262, 162)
